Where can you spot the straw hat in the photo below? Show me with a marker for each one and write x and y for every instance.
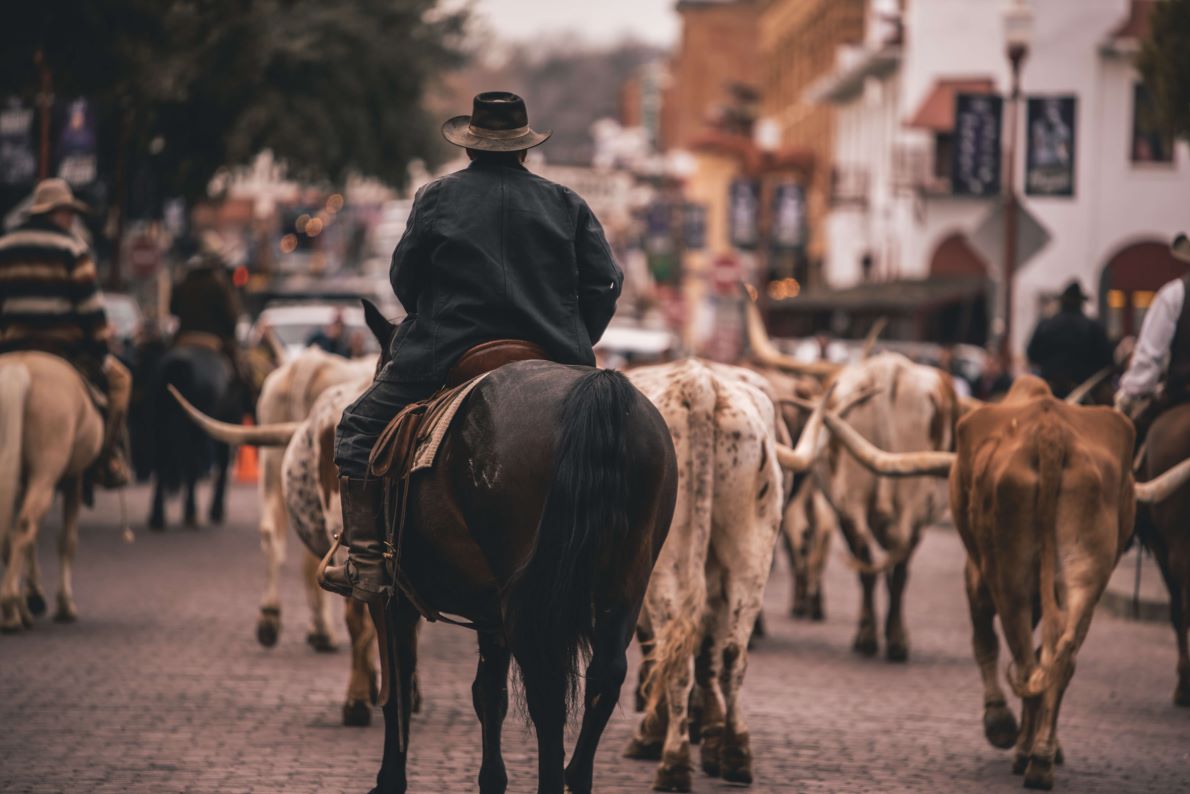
(52, 194)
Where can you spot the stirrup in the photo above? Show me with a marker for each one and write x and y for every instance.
(337, 587)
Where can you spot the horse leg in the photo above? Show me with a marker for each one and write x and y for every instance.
(396, 628)
(14, 614)
(320, 637)
(357, 711)
(157, 511)
(489, 695)
(605, 677)
(219, 490)
(72, 498)
(34, 594)
(545, 696)
(190, 513)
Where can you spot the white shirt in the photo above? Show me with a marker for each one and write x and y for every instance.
(1151, 356)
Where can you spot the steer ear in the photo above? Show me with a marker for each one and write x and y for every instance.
(381, 328)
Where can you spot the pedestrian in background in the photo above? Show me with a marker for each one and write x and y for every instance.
(1069, 347)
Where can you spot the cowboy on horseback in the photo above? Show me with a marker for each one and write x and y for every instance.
(50, 302)
(490, 252)
(1158, 375)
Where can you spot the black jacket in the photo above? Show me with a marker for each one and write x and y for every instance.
(1069, 348)
(204, 301)
(496, 252)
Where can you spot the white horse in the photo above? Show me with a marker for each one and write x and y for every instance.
(50, 433)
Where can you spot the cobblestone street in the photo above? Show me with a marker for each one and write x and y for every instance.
(162, 687)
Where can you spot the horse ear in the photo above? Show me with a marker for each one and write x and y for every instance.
(381, 328)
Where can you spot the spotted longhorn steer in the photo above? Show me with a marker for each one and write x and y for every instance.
(1043, 497)
(708, 583)
(287, 396)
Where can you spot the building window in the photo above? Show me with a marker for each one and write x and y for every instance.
(1150, 144)
(943, 156)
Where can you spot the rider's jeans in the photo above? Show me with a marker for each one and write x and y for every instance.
(365, 419)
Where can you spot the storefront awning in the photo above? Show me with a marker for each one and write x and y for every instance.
(936, 112)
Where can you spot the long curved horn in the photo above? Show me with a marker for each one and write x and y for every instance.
(892, 464)
(813, 440)
(1080, 393)
(873, 335)
(274, 435)
(1165, 484)
(765, 352)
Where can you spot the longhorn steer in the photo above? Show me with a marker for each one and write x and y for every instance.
(1043, 497)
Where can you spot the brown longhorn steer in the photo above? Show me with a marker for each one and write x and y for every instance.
(1043, 497)
(1165, 528)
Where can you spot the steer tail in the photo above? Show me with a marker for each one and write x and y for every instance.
(14, 390)
(550, 612)
(1050, 445)
(679, 635)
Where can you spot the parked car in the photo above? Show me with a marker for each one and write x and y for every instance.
(294, 324)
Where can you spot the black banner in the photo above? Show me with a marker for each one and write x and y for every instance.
(977, 148)
(1049, 153)
(744, 214)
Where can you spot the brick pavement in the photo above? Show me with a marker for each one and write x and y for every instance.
(161, 687)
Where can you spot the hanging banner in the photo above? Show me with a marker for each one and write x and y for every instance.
(1049, 155)
(76, 144)
(18, 160)
(744, 214)
(694, 227)
(789, 216)
(977, 148)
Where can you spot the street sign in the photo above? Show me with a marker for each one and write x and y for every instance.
(977, 150)
(988, 238)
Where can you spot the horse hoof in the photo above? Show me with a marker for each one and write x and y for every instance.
(710, 750)
(817, 613)
(156, 524)
(644, 749)
(321, 642)
(190, 522)
(357, 713)
(999, 726)
(1019, 762)
(1181, 695)
(35, 602)
(865, 646)
(735, 761)
(673, 775)
(267, 632)
(1059, 756)
(897, 652)
(1039, 774)
(65, 616)
(215, 517)
(799, 612)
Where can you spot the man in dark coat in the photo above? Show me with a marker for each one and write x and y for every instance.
(489, 252)
(1069, 347)
(207, 308)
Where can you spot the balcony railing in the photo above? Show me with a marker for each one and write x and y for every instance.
(849, 186)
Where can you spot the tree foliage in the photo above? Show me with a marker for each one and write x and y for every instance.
(331, 86)
(1164, 61)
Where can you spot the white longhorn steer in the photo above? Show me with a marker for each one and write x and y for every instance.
(709, 580)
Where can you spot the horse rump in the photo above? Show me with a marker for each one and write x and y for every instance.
(550, 609)
(182, 452)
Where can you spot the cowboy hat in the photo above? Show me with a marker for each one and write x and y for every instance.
(52, 194)
(1074, 292)
(1180, 247)
(498, 123)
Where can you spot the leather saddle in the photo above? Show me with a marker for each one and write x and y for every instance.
(410, 443)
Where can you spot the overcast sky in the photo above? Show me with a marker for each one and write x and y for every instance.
(601, 21)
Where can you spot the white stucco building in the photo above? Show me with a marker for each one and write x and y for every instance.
(894, 216)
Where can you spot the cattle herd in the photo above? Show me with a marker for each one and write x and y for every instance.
(1042, 493)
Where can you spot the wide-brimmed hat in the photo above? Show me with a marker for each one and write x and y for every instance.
(1180, 247)
(498, 123)
(1074, 292)
(52, 194)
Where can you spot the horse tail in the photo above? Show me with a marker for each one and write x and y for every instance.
(549, 602)
(14, 391)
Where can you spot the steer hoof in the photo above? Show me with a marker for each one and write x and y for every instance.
(357, 713)
(35, 603)
(865, 645)
(817, 613)
(735, 761)
(644, 749)
(999, 726)
(66, 614)
(710, 750)
(266, 633)
(897, 652)
(1039, 774)
(1019, 762)
(321, 642)
(156, 523)
(673, 775)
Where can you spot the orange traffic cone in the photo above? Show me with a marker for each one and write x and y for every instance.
(247, 461)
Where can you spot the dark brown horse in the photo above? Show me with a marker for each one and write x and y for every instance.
(1164, 527)
(540, 523)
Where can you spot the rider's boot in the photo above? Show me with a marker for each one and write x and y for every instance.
(364, 576)
(111, 468)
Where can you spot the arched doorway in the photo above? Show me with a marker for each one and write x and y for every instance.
(963, 319)
(1130, 279)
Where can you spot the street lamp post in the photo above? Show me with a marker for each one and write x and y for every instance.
(1018, 34)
